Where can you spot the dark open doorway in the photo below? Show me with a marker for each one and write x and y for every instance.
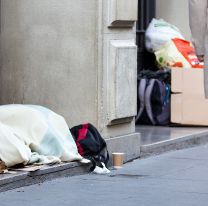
(146, 11)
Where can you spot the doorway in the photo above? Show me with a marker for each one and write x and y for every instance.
(146, 11)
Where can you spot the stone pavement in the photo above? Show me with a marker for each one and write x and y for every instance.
(178, 178)
(155, 134)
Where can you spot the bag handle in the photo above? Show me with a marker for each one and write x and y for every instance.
(148, 100)
(141, 94)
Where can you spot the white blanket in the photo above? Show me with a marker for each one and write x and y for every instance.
(34, 134)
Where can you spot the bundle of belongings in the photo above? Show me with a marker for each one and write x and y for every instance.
(31, 134)
(34, 134)
(171, 50)
(169, 46)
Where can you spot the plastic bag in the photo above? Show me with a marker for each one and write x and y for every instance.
(160, 32)
(178, 53)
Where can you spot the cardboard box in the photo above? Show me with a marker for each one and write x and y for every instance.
(188, 103)
(189, 82)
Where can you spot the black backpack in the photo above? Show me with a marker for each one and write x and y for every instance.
(153, 103)
(90, 144)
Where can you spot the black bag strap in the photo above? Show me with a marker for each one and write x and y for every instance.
(105, 157)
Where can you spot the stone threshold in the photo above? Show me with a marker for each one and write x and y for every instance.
(182, 142)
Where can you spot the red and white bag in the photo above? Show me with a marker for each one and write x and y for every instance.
(178, 53)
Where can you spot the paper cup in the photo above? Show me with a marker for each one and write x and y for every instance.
(118, 159)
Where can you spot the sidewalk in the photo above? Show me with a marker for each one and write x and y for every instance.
(177, 178)
(157, 140)
(154, 140)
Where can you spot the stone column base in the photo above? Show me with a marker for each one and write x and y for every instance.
(128, 144)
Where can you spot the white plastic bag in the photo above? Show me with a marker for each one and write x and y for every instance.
(160, 32)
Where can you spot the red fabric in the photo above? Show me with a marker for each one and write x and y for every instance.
(185, 48)
(81, 135)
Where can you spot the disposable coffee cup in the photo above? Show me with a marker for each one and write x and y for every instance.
(118, 159)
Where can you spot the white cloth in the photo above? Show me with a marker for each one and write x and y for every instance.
(30, 134)
(101, 170)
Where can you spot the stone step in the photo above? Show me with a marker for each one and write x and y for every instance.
(181, 142)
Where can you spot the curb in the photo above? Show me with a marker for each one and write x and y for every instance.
(131, 148)
(20, 179)
(47, 173)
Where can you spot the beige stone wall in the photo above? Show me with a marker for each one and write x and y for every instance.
(175, 12)
(49, 56)
(77, 57)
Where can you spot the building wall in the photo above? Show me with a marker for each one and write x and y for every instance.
(77, 57)
(175, 12)
(49, 56)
